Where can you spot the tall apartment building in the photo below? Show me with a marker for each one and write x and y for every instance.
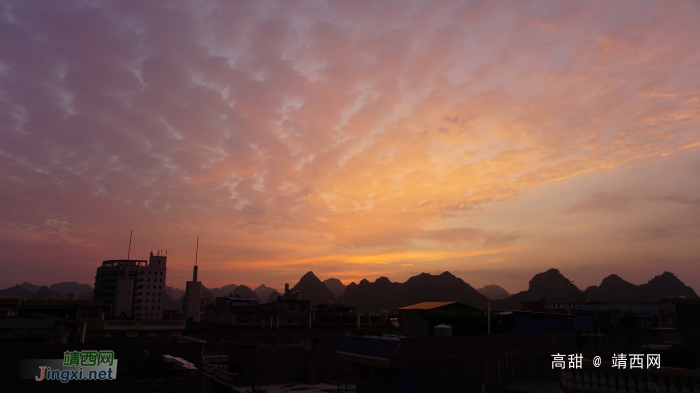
(132, 288)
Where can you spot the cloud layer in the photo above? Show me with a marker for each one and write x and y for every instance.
(354, 138)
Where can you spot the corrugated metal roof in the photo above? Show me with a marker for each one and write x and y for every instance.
(370, 347)
(427, 305)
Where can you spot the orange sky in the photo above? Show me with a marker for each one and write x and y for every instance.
(353, 139)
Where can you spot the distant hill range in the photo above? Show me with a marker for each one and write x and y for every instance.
(336, 286)
(493, 292)
(614, 288)
(36, 292)
(273, 297)
(264, 292)
(383, 294)
(30, 287)
(550, 285)
(17, 290)
(553, 286)
(223, 291)
(174, 293)
(43, 293)
(313, 289)
(63, 288)
(244, 291)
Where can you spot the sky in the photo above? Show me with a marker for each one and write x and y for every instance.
(494, 140)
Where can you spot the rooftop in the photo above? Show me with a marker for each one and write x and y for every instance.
(242, 299)
(427, 305)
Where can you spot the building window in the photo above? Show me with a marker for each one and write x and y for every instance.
(140, 279)
(90, 313)
(149, 273)
(143, 334)
(158, 308)
(138, 315)
(244, 318)
(291, 321)
(151, 314)
(302, 307)
(290, 307)
(158, 300)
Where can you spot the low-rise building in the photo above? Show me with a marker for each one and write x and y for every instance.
(543, 305)
(446, 364)
(141, 329)
(88, 313)
(661, 314)
(233, 310)
(9, 306)
(287, 310)
(39, 328)
(413, 319)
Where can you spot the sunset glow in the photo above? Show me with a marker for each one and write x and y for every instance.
(351, 139)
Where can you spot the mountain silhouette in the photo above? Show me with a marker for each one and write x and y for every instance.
(264, 292)
(223, 291)
(273, 297)
(336, 286)
(42, 293)
(30, 287)
(614, 288)
(206, 293)
(244, 291)
(383, 294)
(17, 290)
(174, 293)
(313, 289)
(493, 292)
(550, 285)
(71, 287)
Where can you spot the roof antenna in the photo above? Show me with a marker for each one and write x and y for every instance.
(194, 271)
(128, 255)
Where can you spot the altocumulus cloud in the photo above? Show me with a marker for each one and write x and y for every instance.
(288, 129)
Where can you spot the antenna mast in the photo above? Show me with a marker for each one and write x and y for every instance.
(196, 253)
(128, 255)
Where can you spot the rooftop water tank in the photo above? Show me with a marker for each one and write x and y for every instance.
(443, 330)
